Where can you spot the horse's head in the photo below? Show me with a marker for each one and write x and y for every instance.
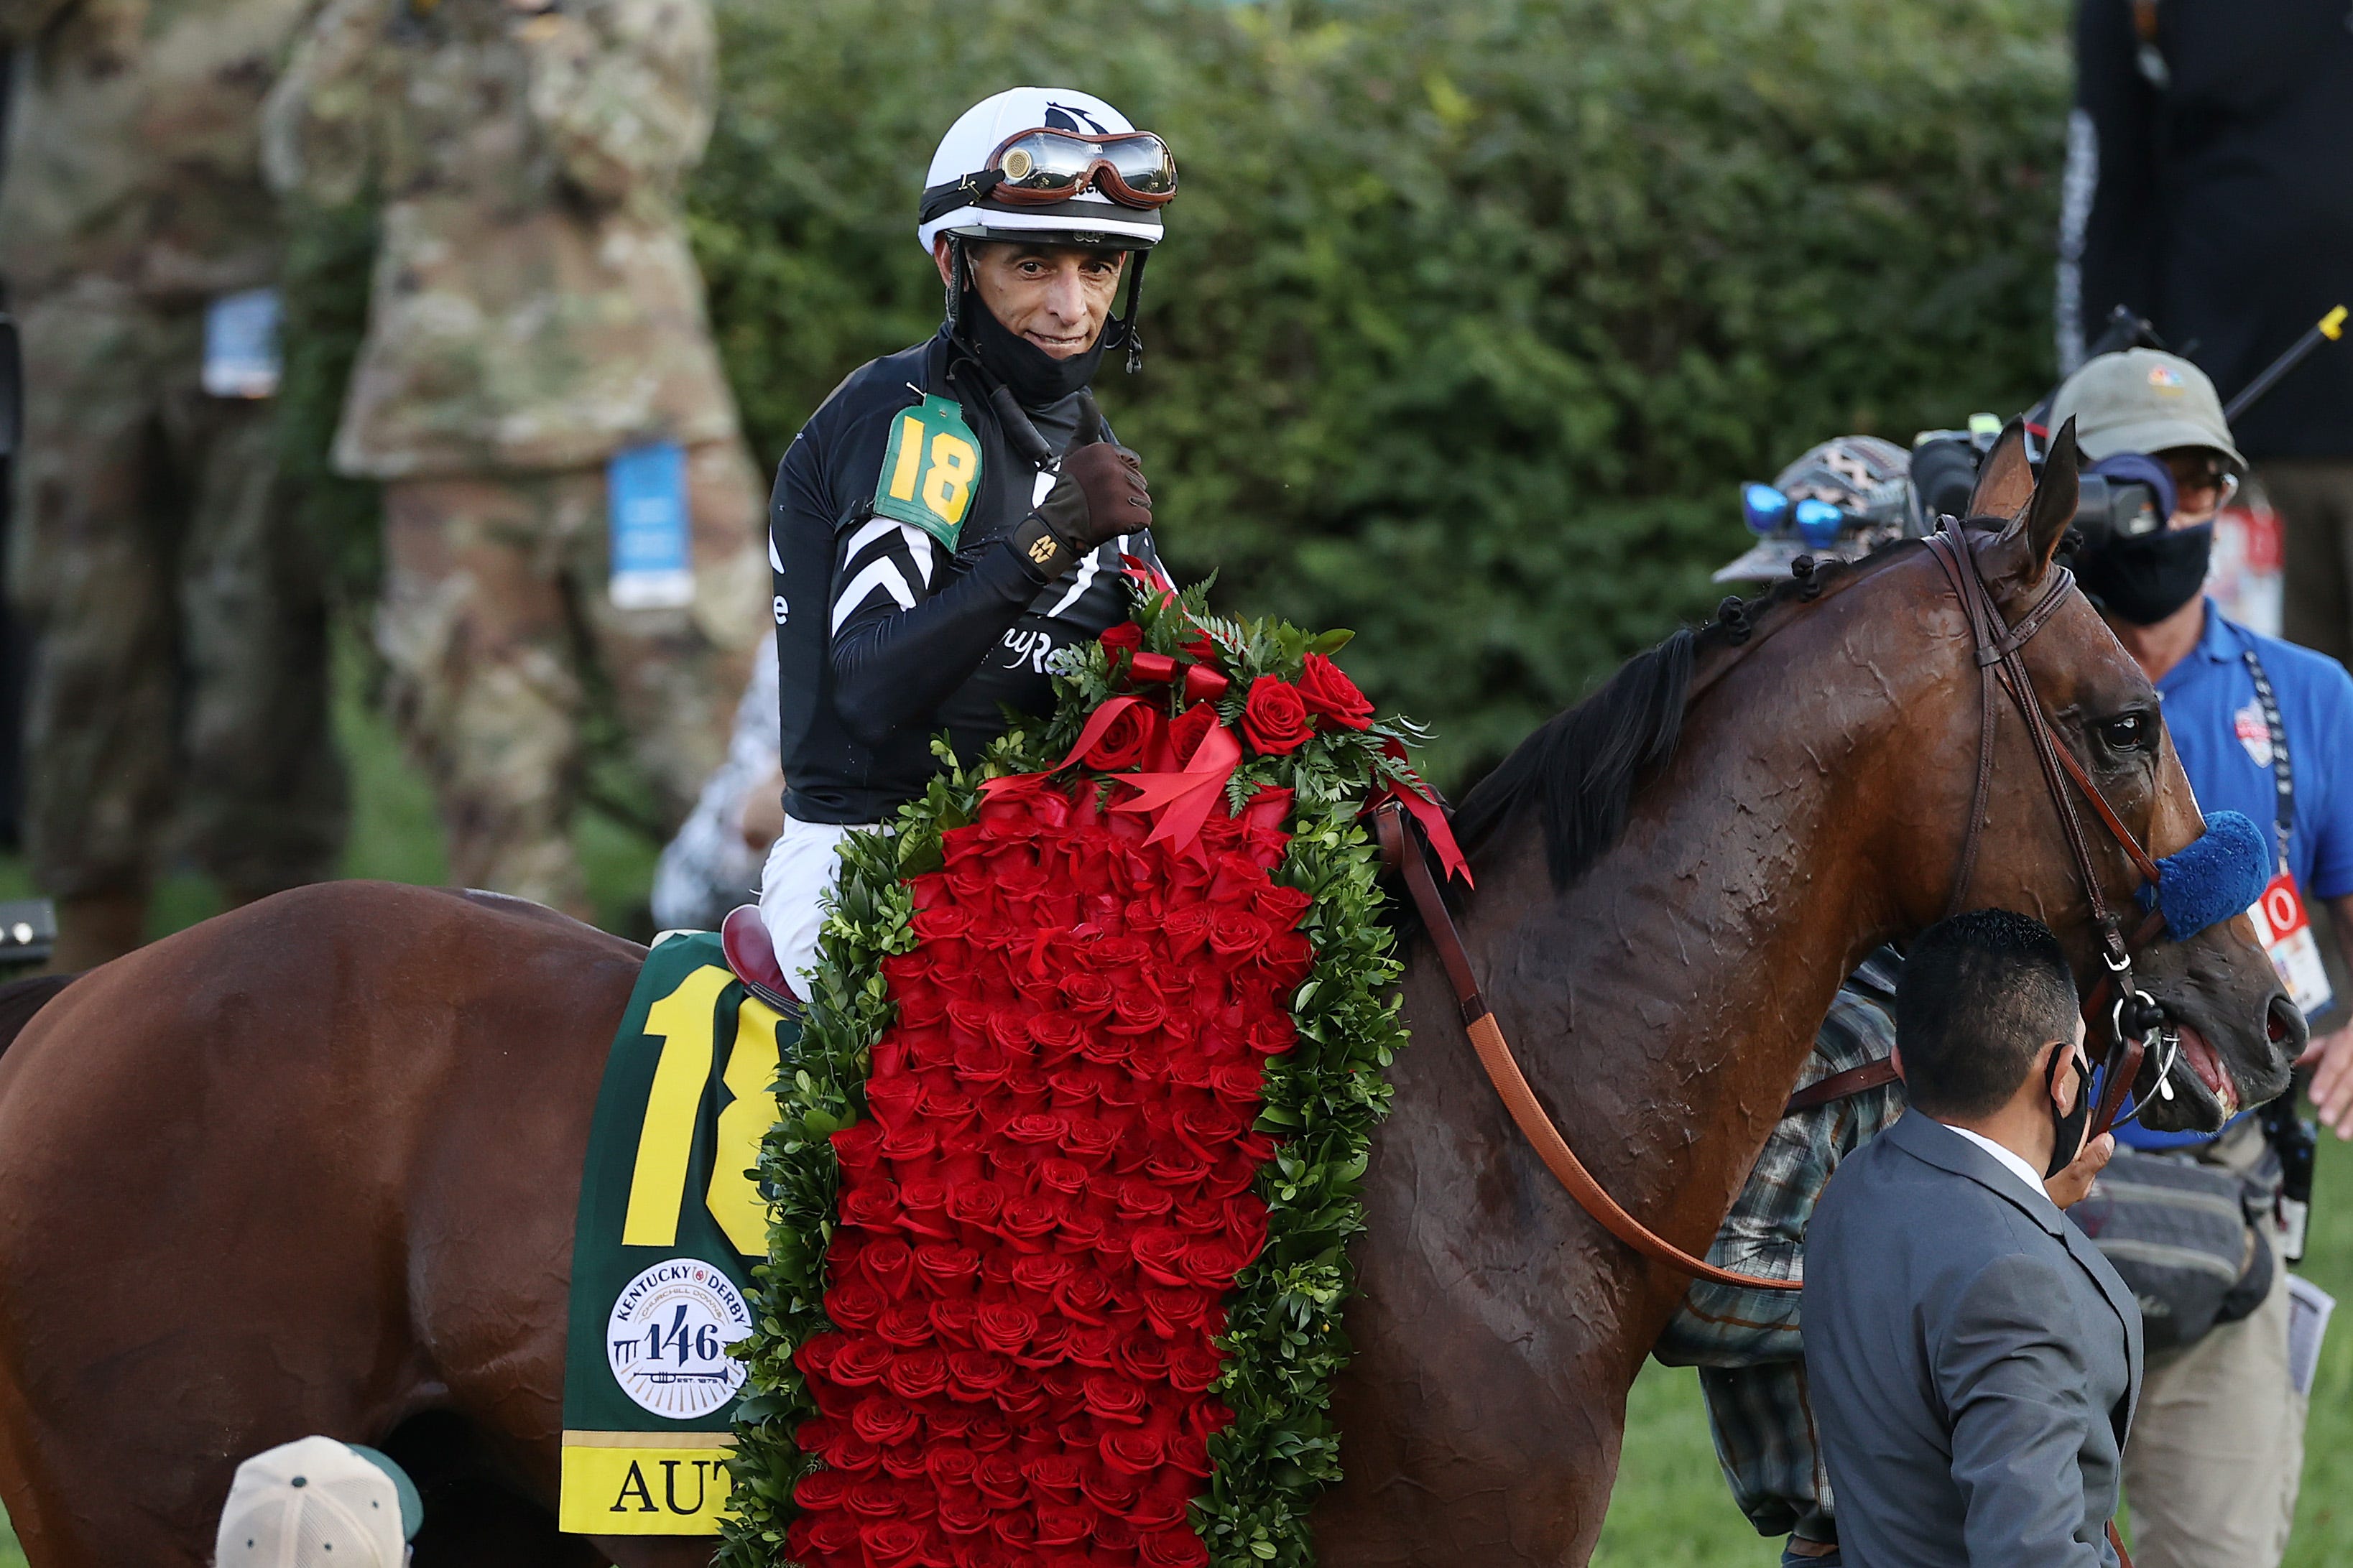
(2238, 1030)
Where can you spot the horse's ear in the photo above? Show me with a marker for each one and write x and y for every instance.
(2006, 483)
(2054, 505)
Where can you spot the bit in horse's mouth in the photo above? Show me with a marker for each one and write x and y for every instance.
(2201, 1060)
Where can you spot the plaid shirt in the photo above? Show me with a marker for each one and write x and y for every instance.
(1747, 1342)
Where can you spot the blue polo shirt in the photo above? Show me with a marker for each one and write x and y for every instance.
(2218, 730)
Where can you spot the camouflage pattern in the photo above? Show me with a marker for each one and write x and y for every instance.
(495, 599)
(133, 145)
(535, 307)
(178, 703)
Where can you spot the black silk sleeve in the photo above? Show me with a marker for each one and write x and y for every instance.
(899, 647)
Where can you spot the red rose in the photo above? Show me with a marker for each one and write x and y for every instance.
(881, 1420)
(1004, 1327)
(1332, 695)
(998, 1479)
(976, 1202)
(1275, 720)
(820, 1489)
(889, 1262)
(854, 1304)
(1109, 1397)
(1234, 932)
(1184, 734)
(964, 1515)
(1131, 1450)
(1056, 1476)
(1186, 928)
(1171, 1549)
(951, 1467)
(857, 1147)
(1193, 1367)
(1158, 1252)
(889, 1541)
(945, 1268)
(834, 1537)
(973, 1373)
(859, 1362)
(1127, 636)
(1281, 907)
(1060, 1525)
(1273, 1037)
(1124, 742)
(918, 1374)
(1054, 1031)
(905, 1325)
(951, 1321)
(873, 1498)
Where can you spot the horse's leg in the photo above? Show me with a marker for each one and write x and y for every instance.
(306, 1168)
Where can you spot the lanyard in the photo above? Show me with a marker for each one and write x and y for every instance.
(2282, 771)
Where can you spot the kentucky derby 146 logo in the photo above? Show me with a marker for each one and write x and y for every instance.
(668, 1336)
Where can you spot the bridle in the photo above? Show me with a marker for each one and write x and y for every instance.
(2130, 1014)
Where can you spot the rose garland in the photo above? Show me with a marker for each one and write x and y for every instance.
(1040, 1288)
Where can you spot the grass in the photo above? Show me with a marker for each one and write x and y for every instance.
(1671, 1508)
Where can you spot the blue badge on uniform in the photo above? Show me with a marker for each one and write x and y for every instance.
(646, 488)
(241, 345)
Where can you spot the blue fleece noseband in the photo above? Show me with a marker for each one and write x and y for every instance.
(2220, 875)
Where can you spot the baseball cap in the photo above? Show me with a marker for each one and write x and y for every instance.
(317, 1503)
(2142, 400)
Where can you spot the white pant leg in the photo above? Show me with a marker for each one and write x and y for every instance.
(802, 866)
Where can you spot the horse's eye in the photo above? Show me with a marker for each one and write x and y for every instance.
(2129, 733)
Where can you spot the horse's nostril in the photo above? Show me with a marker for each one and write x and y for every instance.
(2281, 1020)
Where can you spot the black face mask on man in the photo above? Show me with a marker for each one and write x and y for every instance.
(2068, 1129)
(2143, 578)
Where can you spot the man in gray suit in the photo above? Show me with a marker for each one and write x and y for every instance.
(1973, 1358)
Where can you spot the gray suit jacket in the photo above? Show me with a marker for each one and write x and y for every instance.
(1973, 1361)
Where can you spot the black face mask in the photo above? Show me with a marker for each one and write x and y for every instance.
(2067, 1140)
(1037, 379)
(2146, 577)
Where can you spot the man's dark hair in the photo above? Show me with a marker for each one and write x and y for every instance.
(1980, 994)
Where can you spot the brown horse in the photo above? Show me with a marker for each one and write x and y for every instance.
(330, 1143)
(1663, 979)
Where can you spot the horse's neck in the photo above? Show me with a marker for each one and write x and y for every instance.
(1661, 1007)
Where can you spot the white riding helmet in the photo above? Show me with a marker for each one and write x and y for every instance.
(1088, 218)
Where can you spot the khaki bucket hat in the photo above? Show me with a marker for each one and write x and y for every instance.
(2143, 400)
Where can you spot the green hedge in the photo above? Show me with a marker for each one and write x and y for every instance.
(1473, 313)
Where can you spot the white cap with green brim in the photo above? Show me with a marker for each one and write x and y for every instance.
(317, 1503)
(2143, 400)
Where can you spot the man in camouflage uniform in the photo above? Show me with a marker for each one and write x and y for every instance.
(535, 311)
(181, 638)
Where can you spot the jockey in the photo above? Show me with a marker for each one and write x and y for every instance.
(956, 513)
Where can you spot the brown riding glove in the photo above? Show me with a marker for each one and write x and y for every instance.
(1099, 495)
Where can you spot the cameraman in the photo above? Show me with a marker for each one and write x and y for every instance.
(2265, 728)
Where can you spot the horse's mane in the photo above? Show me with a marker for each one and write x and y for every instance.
(1582, 768)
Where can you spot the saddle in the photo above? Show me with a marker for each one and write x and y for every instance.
(752, 956)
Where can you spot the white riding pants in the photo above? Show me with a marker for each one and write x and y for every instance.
(802, 866)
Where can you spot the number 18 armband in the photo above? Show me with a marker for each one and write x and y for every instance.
(929, 469)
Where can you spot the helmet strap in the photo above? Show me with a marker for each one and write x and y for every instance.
(1134, 300)
(956, 282)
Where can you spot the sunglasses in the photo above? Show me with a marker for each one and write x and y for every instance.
(1134, 168)
(1767, 511)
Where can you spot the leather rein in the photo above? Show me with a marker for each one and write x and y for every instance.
(1997, 653)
